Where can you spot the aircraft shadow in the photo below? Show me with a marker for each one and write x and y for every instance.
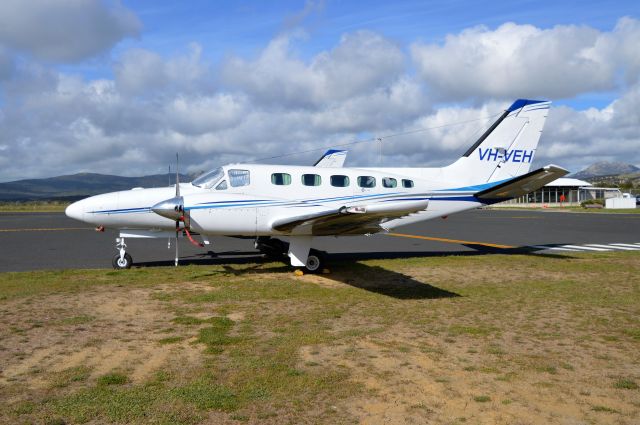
(347, 269)
(386, 282)
(369, 278)
(477, 250)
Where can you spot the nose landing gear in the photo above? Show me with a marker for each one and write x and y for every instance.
(122, 260)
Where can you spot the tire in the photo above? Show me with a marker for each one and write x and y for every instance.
(315, 262)
(125, 263)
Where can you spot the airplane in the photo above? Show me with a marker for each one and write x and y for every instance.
(268, 202)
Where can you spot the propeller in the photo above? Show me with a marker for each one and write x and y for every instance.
(179, 206)
(174, 209)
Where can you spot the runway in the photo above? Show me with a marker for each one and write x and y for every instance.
(37, 241)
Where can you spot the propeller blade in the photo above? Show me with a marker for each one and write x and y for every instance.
(177, 230)
(177, 176)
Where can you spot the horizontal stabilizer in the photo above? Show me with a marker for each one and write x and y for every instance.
(524, 184)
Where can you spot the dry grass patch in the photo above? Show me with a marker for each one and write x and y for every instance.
(484, 339)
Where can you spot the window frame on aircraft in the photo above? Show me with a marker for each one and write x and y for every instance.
(371, 179)
(210, 179)
(408, 184)
(281, 179)
(317, 180)
(220, 186)
(392, 182)
(345, 180)
(239, 177)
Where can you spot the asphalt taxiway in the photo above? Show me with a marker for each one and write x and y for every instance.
(36, 241)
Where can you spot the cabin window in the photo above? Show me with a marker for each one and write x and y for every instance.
(366, 181)
(239, 178)
(222, 185)
(340, 181)
(389, 182)
(407, 183)
(311, 180)
(281, 179)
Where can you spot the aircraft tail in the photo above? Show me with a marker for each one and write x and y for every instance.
(507, 148)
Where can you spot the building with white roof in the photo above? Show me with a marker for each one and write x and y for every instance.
(564, 191)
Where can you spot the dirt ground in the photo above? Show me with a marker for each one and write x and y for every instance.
(441, 360)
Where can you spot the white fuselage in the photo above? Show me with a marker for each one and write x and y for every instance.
(250, 205)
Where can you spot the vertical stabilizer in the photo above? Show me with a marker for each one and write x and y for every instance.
(507, 148)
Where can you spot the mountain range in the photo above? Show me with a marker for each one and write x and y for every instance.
(78, 186)
(604, 168)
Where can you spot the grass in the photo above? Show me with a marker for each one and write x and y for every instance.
(69, 376)
(171, 340)
(253, 343)
(599, 408)
(626, 384)
(112, 379)
(34, 206)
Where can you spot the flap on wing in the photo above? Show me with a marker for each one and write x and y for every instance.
(524, 184)
(353, 220)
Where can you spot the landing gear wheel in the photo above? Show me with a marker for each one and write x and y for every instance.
(122, 263)
(315, 262)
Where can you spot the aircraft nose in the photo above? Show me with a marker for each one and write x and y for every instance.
(75, 211)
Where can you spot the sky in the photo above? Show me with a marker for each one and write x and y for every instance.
(120, 87)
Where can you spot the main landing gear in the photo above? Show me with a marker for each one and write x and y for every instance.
(122, 260)
(272, 248)
(278, 250)
(315, 261)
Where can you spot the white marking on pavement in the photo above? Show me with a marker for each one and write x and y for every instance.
(588, 248)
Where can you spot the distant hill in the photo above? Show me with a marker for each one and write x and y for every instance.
(78, 186)
(604, 168)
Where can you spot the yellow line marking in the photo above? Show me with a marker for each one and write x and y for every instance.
(528, 217)
(46, 229)
(428, 238)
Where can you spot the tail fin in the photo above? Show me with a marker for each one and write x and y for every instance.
(507, 148)
(332, 158)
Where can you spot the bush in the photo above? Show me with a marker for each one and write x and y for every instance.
(600, 202)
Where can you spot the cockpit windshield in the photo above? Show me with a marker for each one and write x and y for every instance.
(208, 180)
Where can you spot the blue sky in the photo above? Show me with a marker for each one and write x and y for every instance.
(118, 87)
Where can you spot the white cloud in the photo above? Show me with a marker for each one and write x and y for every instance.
(141, 71)
(6, 64)
(190, 116)
(53, 122)
(525, 61)
(65, 30)
(579, 138)
(362, 61)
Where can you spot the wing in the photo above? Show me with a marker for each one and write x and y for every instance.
(352, 220)
(523, 184)
(332, 158)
